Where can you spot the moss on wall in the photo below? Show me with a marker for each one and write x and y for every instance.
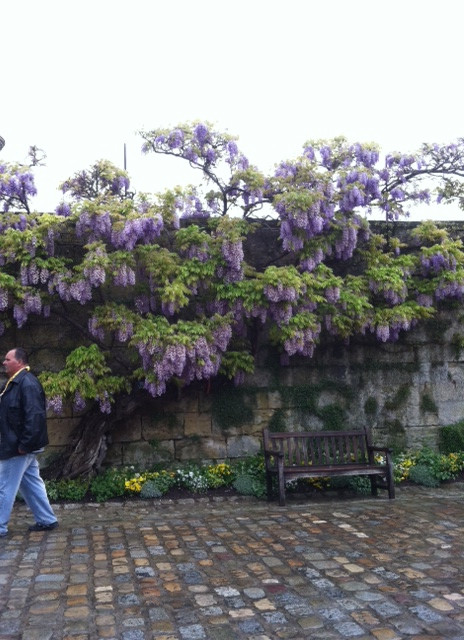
(436, 328)
(277, 421)
(396, 435)
(306, 398)
(371, 406)
(427, 404)
(231, 406)
(399, 399)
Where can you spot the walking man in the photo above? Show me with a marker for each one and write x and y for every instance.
(23, 434)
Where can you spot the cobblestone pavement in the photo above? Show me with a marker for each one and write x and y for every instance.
(232, 569)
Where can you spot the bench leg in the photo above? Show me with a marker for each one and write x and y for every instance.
(281, 487)
(390, 483)
(269, 485)
(373, 480)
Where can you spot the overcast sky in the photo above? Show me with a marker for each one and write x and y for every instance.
(80, 78)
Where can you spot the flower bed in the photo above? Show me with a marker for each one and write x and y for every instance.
(246, 477)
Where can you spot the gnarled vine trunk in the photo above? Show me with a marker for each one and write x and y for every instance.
(86, 452)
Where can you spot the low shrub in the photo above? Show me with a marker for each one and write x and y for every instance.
(451, 438)
(109, 484)
(150, 489)
(250, 476)
(421, 474)
(247, 485)
(442, 467)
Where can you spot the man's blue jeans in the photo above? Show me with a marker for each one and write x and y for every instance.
(22, 474)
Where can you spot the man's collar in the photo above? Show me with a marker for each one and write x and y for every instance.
(18, 373)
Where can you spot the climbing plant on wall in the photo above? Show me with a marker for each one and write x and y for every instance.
(158, 294)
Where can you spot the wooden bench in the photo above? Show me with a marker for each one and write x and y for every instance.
(319, 454)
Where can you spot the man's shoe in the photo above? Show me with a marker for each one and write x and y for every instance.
(43, 527)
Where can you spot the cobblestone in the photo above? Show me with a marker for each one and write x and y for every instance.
(234, 569)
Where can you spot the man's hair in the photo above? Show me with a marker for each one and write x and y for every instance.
(20, 355)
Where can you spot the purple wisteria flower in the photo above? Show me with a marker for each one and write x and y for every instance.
(79, 403)
(145, 229)
(124, 276)
(125, 331)
(20, 315)
(232, 252)
(3, 299)
(81, 291)
(201, 133)
(94, 226)
(332, 294)
(55, 404)
(280, 293)
(104, 402)
(32, 303)
(232, 150)
(16, 188)
(302, 342)
(63, 209)
(95, 329)
(95, 274)
(449, 289)
(175, 139)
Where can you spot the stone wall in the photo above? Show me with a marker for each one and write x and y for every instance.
(405, 392)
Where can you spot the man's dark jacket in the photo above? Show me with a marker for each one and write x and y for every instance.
(23, 416)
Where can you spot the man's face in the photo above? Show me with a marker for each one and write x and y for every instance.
(11, 364)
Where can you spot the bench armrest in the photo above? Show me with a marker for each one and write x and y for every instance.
(381, 449)
(385, 450)
(277, 463)
(273, 452)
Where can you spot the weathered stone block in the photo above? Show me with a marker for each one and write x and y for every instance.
(165, 427)
(260, 420)
(188, 403)
(450, 412)
(262, 400)
(241, 446)
(447, 382)
(198, 424)
(128, 431)
(143, 455)
(268, 400)
(205, 402)
(200, 449)
(327, 398)
(113, 456)
(421, 436)
(60, 430)
(260, 378)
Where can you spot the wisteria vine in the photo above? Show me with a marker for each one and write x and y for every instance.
(162, 289)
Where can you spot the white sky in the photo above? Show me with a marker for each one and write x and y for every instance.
(80, 77)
